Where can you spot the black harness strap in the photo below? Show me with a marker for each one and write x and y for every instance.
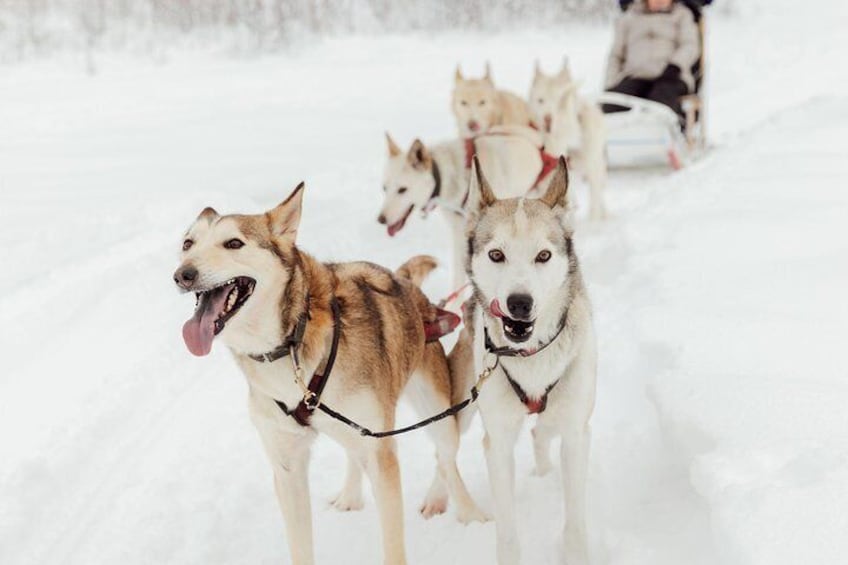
(303, 412)
(456, 408)
(534, 406)
(437, 178)
(311, 402)
(293, 340)
(510, 352)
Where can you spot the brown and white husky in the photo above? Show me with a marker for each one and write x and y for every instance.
(259, 294)
(478, 106)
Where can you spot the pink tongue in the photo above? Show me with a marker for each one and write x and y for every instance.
(396, 227)
(495, 308)
(199, 331)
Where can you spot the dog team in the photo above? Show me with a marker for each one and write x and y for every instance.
(330, 348)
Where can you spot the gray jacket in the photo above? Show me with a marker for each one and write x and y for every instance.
(645, 43)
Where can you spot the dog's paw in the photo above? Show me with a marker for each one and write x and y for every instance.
(472, 514)
(434, 506)
(348, 502)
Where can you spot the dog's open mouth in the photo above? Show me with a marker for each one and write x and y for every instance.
(517, 331)
(214, 308)
(398, 225)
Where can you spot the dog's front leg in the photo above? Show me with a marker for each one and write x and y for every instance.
(575, 459)
(499, 444)
(543, 434)
(288, 449)
(384, 472)
(292, 486)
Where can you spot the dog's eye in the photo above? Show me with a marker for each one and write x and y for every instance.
(187, 244)
(497, 256)
(481, 103)
(543, 256)
(385, 189)
(234, 243)
(463, 102)
(541, 100)
(401, 190)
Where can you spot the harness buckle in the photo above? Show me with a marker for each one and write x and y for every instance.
(310, 400)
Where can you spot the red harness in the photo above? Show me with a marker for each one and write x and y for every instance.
(549, 162)
(444, 324)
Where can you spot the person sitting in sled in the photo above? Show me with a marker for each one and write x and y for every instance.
(656, 43)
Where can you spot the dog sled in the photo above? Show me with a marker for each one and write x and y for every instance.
(649, 132)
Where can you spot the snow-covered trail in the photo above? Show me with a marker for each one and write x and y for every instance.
(117, 446)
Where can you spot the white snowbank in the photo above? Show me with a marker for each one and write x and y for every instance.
(720, 433)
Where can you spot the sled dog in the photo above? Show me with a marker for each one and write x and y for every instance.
(478, 106)
(530, 319)
(572, 126)
(425, 178)
(288, 320)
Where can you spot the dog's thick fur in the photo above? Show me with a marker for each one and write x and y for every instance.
(572, 126)
(478, 106)
(510, 158)
(506, 239)
(382, 354)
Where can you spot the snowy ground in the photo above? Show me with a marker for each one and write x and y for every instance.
(720, 434)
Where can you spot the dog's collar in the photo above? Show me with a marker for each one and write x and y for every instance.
(506, 351)
(293, 341)
(437, 179)
(434, 199)
(534, 405)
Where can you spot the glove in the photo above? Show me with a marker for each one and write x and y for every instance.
(671, 72)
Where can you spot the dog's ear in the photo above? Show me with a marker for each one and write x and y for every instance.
(558, 187)
(457, 76)
(419, 157)
(285, 218)
(485, 196)
(208, 214)
(488, 76)
(394, 150)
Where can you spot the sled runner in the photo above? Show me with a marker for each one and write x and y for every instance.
(649, 131)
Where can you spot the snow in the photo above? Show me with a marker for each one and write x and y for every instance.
(720, 434)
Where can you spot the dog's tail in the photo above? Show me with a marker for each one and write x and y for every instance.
(417, 268)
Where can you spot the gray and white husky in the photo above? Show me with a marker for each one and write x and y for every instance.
(530, 319)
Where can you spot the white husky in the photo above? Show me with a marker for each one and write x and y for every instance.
(572, 126)
(425, 178)
(530, 320)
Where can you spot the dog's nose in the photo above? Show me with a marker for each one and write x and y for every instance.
(473, 125)
(548, 121)
(519, 306)
(381, 218)
(185, 276)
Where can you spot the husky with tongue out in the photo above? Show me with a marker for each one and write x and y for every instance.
(529, 317)
(275, 306)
